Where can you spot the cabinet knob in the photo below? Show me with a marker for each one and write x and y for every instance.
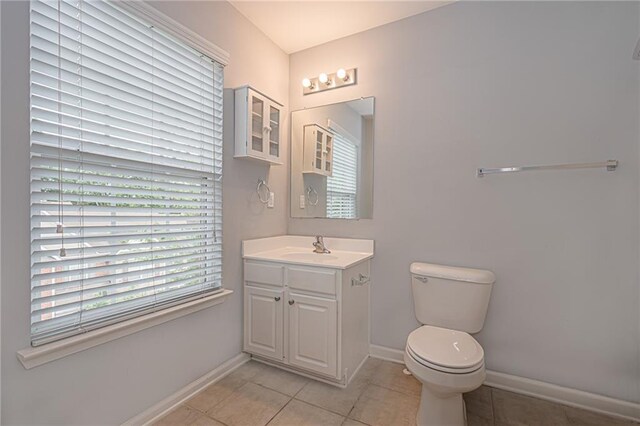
(291, 302)
(277, 299)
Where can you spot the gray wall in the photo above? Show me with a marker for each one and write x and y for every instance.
(115, 381)
(482, 84)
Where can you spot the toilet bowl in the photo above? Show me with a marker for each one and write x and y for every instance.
(447, 363)
(450, 302)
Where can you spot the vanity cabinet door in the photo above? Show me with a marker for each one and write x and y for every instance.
(313, 333)
(263, 324)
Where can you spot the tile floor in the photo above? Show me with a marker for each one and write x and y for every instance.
(380, 395)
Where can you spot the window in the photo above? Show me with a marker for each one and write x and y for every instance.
(126, 168)
(342, 186)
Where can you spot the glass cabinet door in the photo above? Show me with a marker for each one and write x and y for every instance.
(328, 152)
(319, 149)
(274, 132)
(257, 124)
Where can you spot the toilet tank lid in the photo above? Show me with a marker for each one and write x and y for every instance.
(454, 273)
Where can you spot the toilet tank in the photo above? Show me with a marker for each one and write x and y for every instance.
(451, 297)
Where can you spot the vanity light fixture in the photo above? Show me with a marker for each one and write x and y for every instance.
(342, 77)
(306, 83)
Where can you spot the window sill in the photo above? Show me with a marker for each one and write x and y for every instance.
(35, 356)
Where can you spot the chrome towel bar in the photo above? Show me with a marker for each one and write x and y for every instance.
(611, 165)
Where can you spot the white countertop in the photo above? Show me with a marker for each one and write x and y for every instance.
(298, 250)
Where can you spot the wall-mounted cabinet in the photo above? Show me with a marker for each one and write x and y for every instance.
(318, 150)
(258, 126)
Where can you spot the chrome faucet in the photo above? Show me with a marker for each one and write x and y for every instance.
(319, 245)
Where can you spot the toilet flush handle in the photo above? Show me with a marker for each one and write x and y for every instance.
(422, 279)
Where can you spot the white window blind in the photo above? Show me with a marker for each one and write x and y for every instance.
(126, 167)
(342, 186)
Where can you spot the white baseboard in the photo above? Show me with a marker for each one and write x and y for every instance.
(547, 391)
(158, 410)
(388, 354)
(563, 395)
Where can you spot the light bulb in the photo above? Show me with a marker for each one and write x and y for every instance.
(306, 83)
(323, 78)
(341, 74)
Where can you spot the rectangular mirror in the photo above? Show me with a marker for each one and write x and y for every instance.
(332, 161)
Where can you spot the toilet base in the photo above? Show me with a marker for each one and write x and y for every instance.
(441, 402)
(437, 409)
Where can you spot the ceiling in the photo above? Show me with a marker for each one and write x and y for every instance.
(298, 25)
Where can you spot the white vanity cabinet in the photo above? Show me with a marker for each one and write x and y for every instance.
(317, 150)
(310, 319)
(258, 126)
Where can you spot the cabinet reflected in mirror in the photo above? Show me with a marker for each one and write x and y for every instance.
(332, 161)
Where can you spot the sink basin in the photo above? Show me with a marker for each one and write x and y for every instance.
(298, 250)
(306, 256)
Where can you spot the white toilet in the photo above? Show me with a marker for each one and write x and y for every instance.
(450, 302)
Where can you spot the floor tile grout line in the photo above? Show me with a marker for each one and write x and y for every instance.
(223, 400)
(204, 413)
(199, 410)
(319, 407)
(493, 408)
(182, 405)
(395, 390)
(300, 390)
(356, 403)
(364, 389)
(245, 381)
(282, 408)
(251, 379)
(274, 390)
(191, 407)
(201, 413)
(389, 388)
(328, 409)
(216, 420)
(259, 385)
(322, 408)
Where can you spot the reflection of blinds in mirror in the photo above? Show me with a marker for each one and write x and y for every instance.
(342, 186)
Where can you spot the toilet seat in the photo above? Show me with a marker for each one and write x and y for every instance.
(445, 350)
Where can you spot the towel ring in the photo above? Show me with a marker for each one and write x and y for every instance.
(310, 191)
(262, 183)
